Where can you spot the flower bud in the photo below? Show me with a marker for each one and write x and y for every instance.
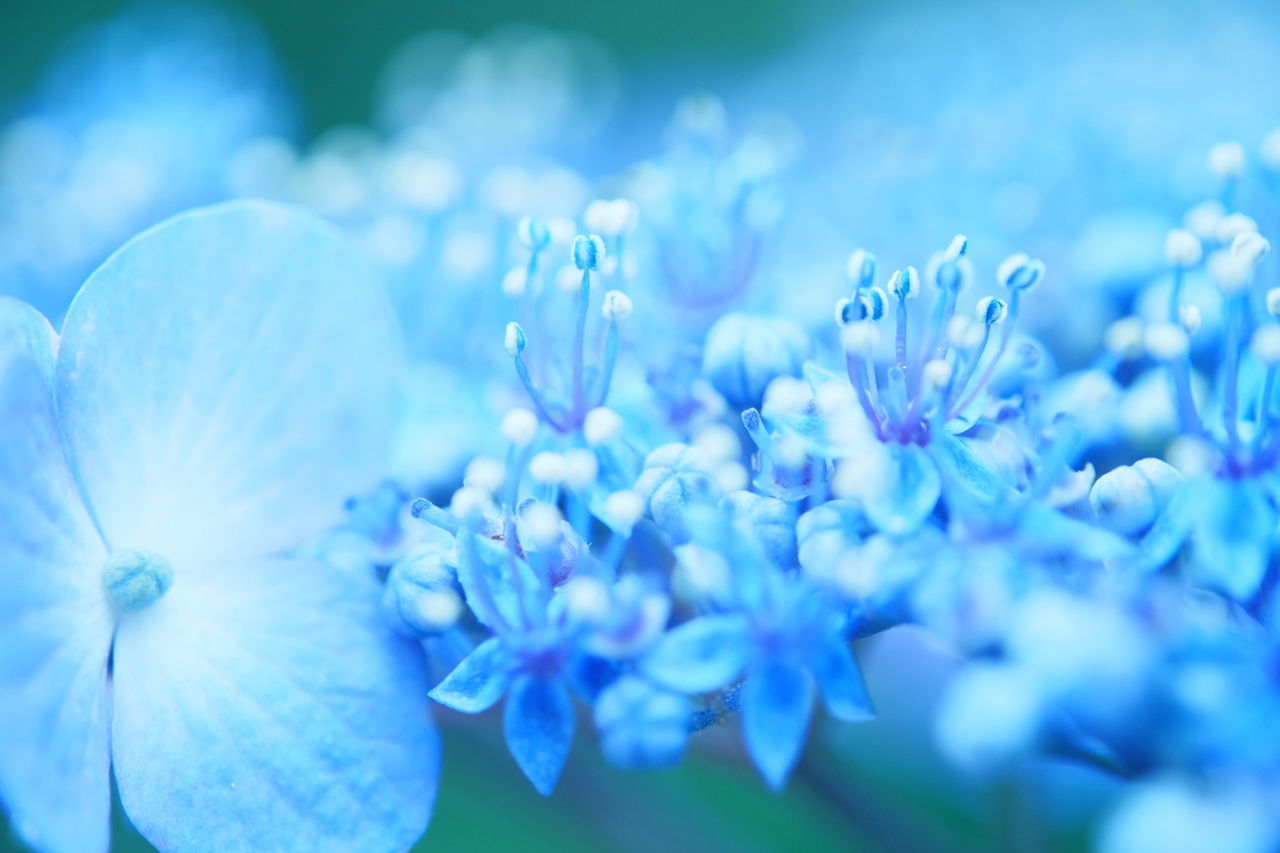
(533, 233)
(1166, 342)
(601, 426)
(861, 268)
(1182, 248)
(588, 252)
(616, 305)
(991, 310)
(745, 352)
(1128, 499)
(1227, 160)
(1270, 153)
(904, 284)
(519, 427)
(1265, 344)
(515, 341)
(1019, 272)
(1250, 246)
(615, 216)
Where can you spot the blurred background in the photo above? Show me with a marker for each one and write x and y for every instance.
(1078, 133)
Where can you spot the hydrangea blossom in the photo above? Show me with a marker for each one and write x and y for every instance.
(219, 387)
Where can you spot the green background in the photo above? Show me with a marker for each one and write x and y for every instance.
(334, 48)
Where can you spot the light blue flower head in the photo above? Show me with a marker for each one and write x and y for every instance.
(220, 386)
(745, 352)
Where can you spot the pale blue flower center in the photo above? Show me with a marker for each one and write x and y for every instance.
(135, 578)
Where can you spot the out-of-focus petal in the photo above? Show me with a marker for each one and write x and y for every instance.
(55, 621)
(704, 654)
(225, 380)
(274, 692)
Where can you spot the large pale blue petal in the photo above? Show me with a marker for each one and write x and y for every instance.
(478, 681)
(1233, 531)
(701, 655)
(55, 622)
(897, 485)
(226, 379)
(538, 722)
(777, 701)
(265, 705)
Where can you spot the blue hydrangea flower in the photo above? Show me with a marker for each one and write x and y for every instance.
(775, 629)
(219, 387)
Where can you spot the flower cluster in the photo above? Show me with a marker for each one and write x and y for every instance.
(282, 494)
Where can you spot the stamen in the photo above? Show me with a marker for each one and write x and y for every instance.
(433, 515)
(588, 252)
(515, 343)
(136, 579)
(616, 307)
(903, 285)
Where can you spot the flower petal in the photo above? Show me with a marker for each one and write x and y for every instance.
(55, 622)
(226, 380)
(272, 691)
(898, 486)
(538, 722)
(843, 690)
(701, 655)
(777, 701)
(478, 682)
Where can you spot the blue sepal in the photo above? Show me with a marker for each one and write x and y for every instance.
(478, 682)
(701, 655)
(777, 701)
(843, 691)
(897, 485)
(538, 723)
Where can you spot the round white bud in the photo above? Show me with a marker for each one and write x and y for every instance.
(860, 338)
(1273, 302)
(717, 442)
(616, 305)
(586, 599)
(624, 508)
(1182, 248)
(469, 502)
(1232, 272)
(611, 216)
(601, 425)
(1202, 220)
(580, 468)
(514, 340)
(1123, 338)
(937, 373)
(1166, 342)
(1227, 159)
(1270, 152)
(541, 522)
(731, 476)
(513, 283)
(485, 472)
(1189, 316)
(519, 427)
(1265, 345)
(1233, 225)
(547, 468)
(1251, 246)
(1019, 272)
